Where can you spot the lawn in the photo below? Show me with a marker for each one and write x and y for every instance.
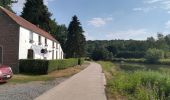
(137, 83)
(23, 78)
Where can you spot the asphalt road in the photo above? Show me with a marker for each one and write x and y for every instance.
(86, 85)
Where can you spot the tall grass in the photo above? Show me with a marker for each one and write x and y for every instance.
(139, 84)
(142, 85)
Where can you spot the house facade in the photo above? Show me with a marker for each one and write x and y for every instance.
(19, 39)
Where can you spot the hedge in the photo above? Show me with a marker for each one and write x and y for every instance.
(130, 54)
(46, 66)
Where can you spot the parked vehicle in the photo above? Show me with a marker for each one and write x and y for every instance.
(5, 73)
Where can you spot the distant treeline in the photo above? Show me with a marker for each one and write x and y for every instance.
(108, 49)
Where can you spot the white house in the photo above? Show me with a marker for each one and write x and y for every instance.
(39, 46)
(19, 39)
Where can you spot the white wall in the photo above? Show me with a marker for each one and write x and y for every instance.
(24, 45)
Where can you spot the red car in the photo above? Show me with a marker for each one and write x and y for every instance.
(5, 73)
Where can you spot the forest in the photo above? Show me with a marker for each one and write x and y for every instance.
(109, 49)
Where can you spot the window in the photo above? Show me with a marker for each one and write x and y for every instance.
(57, 45)
(61, 55)
(53, 54)
(53, 45)
(56, 55)
(46, 42)
(39, 40)
(31, 37)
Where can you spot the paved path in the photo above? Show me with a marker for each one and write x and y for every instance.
(86, 85)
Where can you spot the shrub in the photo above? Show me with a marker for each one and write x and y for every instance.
(81, 61)
(153, 55)
(130, 54)
(101, 54)
(167, 55)
(132, 60)
(46, 66)
(33, 66)
(61, 64)
(164, 61)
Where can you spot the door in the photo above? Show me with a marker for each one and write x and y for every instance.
(30, 54)
(1, 55)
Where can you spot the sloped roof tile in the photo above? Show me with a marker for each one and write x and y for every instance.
(24, 23)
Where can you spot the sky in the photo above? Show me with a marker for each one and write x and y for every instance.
(112, 19)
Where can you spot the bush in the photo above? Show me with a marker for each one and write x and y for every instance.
(81, 61)
(167, 55)
(101, 54)
(164, 61)
(33, 66)
(129, 60)
(61, 64)
(130, 54)
(153, 55)
(46, 66)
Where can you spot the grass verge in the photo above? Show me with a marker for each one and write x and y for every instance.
(22, 78)
(136, 85)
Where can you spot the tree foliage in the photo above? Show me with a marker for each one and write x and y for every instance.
(37, 13)
(101, 53)
(6, 4)
(75, 44)
(59, 32)
(131, 48)
(153, 55)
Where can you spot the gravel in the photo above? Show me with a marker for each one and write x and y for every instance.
(26, 91)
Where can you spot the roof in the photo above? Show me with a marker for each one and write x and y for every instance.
(24, 23)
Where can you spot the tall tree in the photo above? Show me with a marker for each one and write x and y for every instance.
(7, 3)
(161, 42)
(37, 13)
(75, 44)
(59, 32)
(61, 35)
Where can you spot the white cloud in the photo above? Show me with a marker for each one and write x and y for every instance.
(137, 9)
(17, 7)
(147, 9)
(88, 36)
(166, 5)
(152, 1)
(161, 4)
(137, 34)
(167, 24)
(98, 22)
(47, 1)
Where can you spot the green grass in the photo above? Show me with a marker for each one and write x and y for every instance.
(24, 78)
(138, 84)
(164, 61)
(106, 65)
(142, 85)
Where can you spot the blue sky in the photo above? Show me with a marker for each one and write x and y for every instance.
(113, 19)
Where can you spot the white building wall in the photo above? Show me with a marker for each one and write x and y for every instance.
(24, 45)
